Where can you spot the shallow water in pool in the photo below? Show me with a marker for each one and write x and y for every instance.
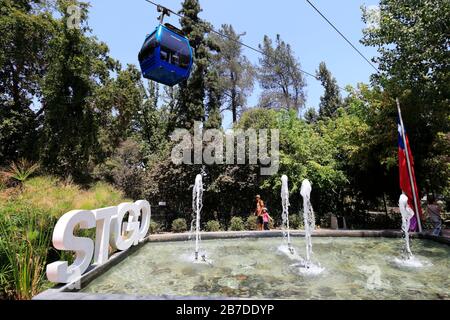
(355, 268)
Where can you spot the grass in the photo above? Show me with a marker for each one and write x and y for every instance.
(24, 253)
(56, 197)
(27, 218)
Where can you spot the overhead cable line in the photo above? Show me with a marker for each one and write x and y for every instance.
(344, 37)
(212, 30)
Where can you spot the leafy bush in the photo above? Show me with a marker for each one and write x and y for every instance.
(251, 223)
(296, 221)
(154, 227)
(325, 221)
(237, 224)
(271, 224)
(213, 226)
(179, 225)
(128, 169)
(20, 171)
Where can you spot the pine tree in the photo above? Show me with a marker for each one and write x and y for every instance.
(190, 106)
(280, 76)
(311, 116)
(198, 89)
(151, 120)
(235, 70)
(331, 100)
(214, 95)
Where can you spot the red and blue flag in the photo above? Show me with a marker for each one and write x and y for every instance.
(405, 181)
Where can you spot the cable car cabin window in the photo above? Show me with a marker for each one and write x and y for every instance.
(164, 55)
(148, 49)
(175, 50)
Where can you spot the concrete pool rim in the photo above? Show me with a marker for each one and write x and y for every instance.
(67, 291)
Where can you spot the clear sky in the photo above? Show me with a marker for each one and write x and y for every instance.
(123, 25)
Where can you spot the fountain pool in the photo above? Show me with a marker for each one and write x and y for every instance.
(355, 268)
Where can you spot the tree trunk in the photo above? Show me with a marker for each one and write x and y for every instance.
(234, 105)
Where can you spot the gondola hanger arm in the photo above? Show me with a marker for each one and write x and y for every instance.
(164, 12)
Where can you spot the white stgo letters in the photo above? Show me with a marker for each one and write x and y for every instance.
(111, 231)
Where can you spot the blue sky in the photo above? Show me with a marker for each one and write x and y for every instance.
(123, 24)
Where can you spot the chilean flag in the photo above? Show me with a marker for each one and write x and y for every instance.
(405, 183)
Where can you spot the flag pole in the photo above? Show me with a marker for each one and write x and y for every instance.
(411, 181)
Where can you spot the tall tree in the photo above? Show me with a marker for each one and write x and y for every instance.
(169, 101)
(147, 121)
(234, 69)
(78, 64)
(192, 94)
(280, 76)
(412, 40)
(117, 103)
(25, 28)
(331, 99)
(151, 121)
(311, 116)
(214, 97)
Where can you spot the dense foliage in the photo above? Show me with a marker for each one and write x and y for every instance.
(66, 103)
(413, 40)
(67, 106)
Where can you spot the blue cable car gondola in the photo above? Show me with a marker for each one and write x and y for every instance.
(166, 56)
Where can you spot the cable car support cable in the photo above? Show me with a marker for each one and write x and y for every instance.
(212, 30)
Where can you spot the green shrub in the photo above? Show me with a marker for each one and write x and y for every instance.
(21, 170)
(251, 223)
(179, 225)
(213, 226)
(154, 227)
(325, 221)
(27, 219)
(23, 253)
(237, 224)
(271, 224)
(127, 171)
(296, 221)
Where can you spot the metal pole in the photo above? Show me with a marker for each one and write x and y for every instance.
(411, 181)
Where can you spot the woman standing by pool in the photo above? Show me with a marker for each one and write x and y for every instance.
(258, 212)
